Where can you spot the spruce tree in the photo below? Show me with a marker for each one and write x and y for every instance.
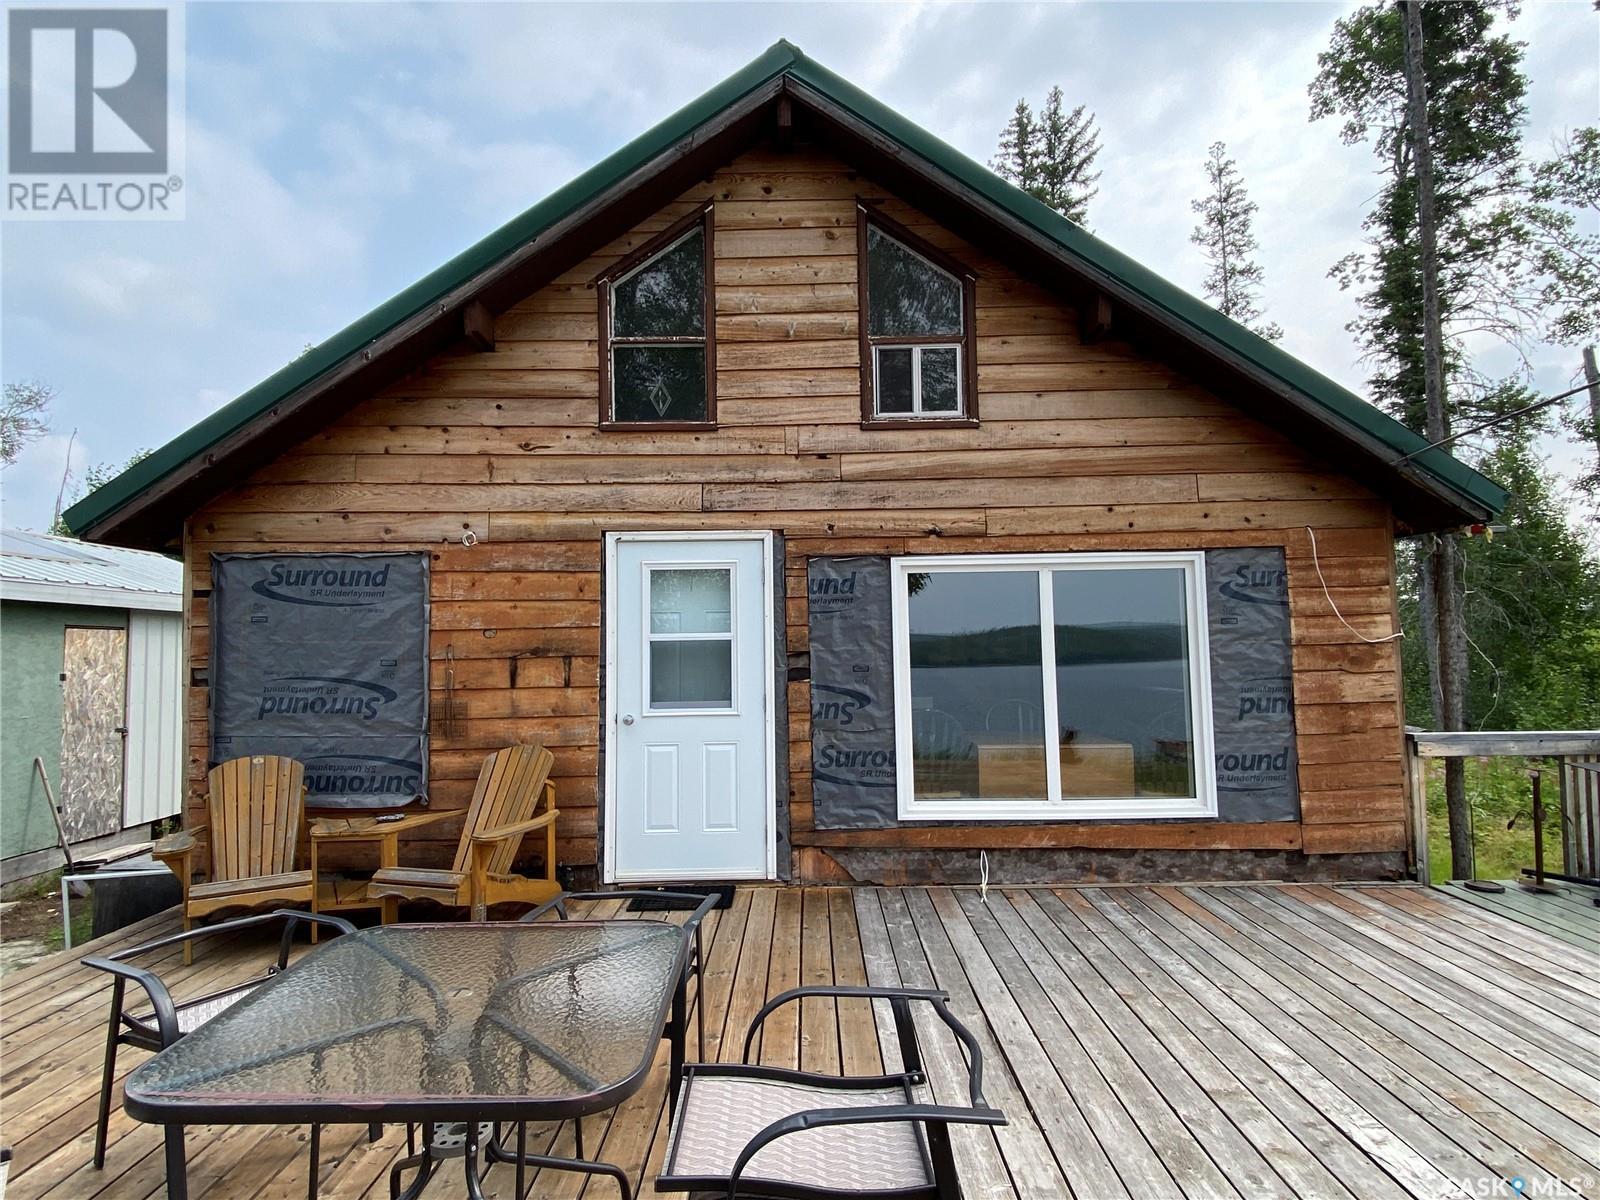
(1438, 78)
(1069, 143)
(1016, 160)
(1228, 243)
(1052, 157)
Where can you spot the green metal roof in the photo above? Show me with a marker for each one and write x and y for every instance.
(1181, 308)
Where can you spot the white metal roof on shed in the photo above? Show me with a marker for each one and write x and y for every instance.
(45, 569)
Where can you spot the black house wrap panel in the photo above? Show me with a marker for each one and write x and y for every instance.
(852, 689)
(1252, 685)
(324, 658)
(852, 693)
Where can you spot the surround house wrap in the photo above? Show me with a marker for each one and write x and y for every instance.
(324, 658)
(852, 689)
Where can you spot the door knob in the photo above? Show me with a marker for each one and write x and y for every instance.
(628, 720)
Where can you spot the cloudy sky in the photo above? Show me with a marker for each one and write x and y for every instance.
(338, 152)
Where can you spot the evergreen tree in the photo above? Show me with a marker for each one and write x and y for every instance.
(1068, 145)
(1016, 160)
(1228, 244)
(1533, 617)
(1477, 107)
(1560, 224)
(1441, 96)
(1052, 158)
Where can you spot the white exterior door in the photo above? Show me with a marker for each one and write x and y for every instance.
(689, 682)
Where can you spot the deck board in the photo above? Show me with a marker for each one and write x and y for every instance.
(1568, 914)
(1191, 1042)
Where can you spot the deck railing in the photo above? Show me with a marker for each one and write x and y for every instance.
(1572, 755)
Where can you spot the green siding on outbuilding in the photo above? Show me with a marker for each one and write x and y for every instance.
(32, 641)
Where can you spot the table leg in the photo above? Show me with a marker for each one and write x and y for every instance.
(470, 1163)
(177, 1165)
(66, 912)
(677, 1030)
(316, 1157)
(560, 1163)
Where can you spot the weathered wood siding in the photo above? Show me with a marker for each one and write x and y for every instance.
(1082, 446)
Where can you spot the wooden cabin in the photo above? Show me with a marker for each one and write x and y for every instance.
(760, 471)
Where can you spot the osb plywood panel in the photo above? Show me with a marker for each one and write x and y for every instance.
(1082, 446)
(93, 706)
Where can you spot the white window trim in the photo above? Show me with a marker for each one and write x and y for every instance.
(1133, 808)
(918, 413)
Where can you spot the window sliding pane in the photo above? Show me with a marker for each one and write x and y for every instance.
(690, 600)
(691, 674)
(977, 728)
(894, 379)
(940, 393)
(1122, 683)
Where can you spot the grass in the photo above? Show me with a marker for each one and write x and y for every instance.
(1501, 797)
(36, 913)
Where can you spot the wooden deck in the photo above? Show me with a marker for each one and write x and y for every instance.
(1211, 1041)
(1566, 912)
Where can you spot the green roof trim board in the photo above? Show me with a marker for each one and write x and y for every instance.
(1179, 308)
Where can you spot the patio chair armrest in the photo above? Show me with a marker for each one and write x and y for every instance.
(521, 827)
(177, 844)
(289, 915)
(821, 1118)
(166, 1012)
(838, 991)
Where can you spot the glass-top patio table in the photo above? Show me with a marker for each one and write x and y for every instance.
(434, 1023)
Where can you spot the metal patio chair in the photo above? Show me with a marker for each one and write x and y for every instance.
(166, 1020)
(745, 1130)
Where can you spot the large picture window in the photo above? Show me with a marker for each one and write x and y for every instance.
(1118, 725)
(916, 315)
(657, 332)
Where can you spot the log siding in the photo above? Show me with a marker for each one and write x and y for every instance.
(1083, 446)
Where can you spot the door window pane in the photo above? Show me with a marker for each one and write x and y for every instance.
(658, 383)
(666, 297)
(691, 674)
(690, 600)
(894, 380)
(1122, 683)
(977, 686)
(907, 296)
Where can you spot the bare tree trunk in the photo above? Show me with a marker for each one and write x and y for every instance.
(1592, 374)
(1447, 632)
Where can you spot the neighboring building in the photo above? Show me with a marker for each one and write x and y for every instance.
(758, 472)
(90, 659)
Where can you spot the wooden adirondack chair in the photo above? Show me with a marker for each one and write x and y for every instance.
(509, 788)
(255, 807)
